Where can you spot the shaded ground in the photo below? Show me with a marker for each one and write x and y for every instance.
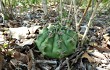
(18, 51)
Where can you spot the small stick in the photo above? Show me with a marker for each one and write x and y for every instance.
(75, 14)
(68, 65)
(90, 22)
(46, 61)
(77, 57)
(44, 5)
(77, 54)
(85, 11)
(33, 60)
(61, 16)
(70, 11)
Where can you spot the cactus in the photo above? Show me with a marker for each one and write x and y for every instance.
(57, 41)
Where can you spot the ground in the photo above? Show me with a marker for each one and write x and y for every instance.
(18, 50)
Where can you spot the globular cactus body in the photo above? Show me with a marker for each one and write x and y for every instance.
(57, 41)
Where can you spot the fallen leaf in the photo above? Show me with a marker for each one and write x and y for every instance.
(90, 59)
(26, 42)
(98, 54)
(108, 67)
(108, 44)
(33, 29)
(99, 68)
(2, 38)
(19, 33)
(106, 36)
(22, 32)
(21, 57)
(95, 45)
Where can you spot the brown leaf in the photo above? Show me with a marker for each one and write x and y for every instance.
(21, 57)
(90, 59)
(95, 45)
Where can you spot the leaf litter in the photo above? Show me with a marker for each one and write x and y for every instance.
(18, 49)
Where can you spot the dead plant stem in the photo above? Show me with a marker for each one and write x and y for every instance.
(61, 10)
(33, 60)
(70, 11)
(90, 22)
(44, 5)
(68, 65)
(85, 11)
(75, 14)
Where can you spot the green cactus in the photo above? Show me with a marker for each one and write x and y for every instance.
(57, 41)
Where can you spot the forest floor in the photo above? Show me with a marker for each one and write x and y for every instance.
(19, 52)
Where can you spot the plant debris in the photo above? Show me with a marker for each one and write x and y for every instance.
(20, 29)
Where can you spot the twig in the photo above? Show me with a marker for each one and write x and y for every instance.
(70, 10)
(85, 11)
(69, 13)
(68, 65)
(32, 57)
(77, 57)
(76, 54)
(61, 11)
(44, 5)
(75, 14)
(46, 61)
(90, 21)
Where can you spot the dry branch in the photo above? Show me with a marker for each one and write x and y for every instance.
(85, 11)
(90, 21)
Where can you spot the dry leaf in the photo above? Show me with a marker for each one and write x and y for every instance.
(108, 67)
(22, 32)
(99, 68)
(106, 37)
(21, 57)
(108, 44)
(19, 33)
(26, 42)
(90, 59)
(95, 45)
(2, 39)
(98, 54)
(33, 29)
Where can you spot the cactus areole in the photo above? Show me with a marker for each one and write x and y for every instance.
(56, 41)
